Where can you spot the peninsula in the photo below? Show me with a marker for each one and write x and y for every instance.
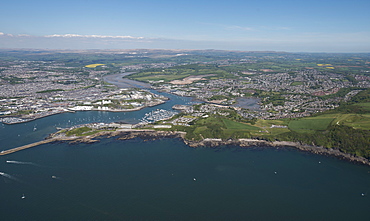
(90, 133)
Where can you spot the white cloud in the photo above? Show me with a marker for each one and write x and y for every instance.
(236, 27)
(91, 36)
(308, 42)
(6, 35)
(24, 35)
(11, 35)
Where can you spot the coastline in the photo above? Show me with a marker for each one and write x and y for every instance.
(150, 134)
(302, 147)
(115, 79)
(25, 119)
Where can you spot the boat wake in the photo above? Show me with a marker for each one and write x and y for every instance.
(23, 163)
(9, 176)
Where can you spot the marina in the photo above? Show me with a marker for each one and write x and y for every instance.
(157, 115)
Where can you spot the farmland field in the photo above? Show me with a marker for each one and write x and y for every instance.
(93, 65)
(232, 125)
(310, 123)
(356, 121)
(366, 106)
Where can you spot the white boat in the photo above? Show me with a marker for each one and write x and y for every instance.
(23, 196)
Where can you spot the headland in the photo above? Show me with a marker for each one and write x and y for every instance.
(151, 134)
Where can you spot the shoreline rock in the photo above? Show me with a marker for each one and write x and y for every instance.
(149, 135)
(302, 147)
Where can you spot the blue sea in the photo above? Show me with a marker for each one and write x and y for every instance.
(167, 180)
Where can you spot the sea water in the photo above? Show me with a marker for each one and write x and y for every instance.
(167, 180)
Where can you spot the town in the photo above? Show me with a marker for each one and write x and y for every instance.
(299, 92)
(31, 90)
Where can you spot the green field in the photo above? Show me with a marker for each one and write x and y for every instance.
(321, 122)
(266, 127)
(159, 76)
(361, 122)
(232, 125)
(78, 131)
(219, 127)
(356, 121)
(310, 124)
(181, 72)
(296, 83)
(366, 106)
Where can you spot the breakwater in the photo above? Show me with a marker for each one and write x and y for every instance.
(149, 134)
(27, 146)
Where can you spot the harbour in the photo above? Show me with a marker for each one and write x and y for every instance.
(166, 179)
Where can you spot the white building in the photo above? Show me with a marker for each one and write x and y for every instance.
(80, 108)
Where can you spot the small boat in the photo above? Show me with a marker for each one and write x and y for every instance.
(23, 196)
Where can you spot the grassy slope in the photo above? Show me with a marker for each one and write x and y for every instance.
(218, 127)
(349, 132)
(180, 72)
(310, 124)
(346, 128)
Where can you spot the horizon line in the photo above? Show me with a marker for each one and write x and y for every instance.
(174, 49)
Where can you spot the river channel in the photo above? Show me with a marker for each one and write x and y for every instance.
(120, 81)
(20, 134)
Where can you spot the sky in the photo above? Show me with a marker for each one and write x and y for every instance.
(247, 25)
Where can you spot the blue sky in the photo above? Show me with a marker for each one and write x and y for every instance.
(281, 25)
